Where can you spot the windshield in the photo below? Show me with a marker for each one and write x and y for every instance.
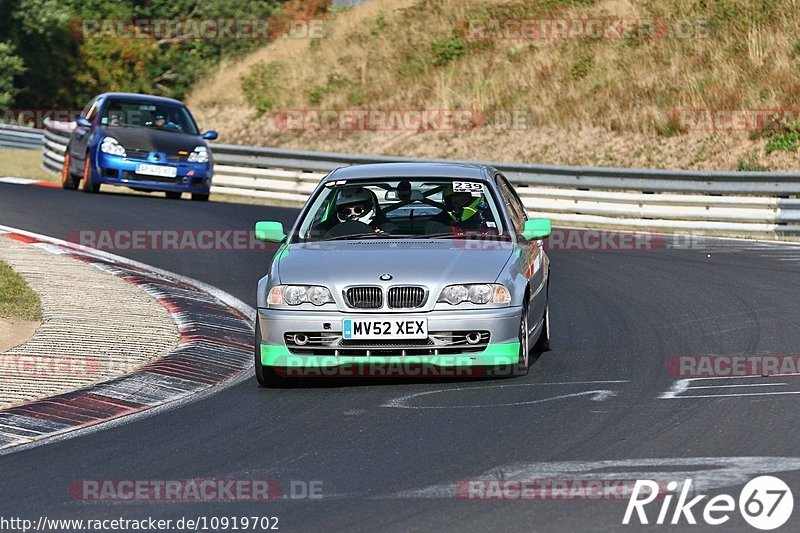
(139, 114)
(419, 208)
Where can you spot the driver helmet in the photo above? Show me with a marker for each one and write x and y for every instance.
(355, 205)
(455, 201)
(115, 117)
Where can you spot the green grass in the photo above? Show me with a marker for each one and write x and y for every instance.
(17, 300)
(261, 86)
(670, 127)
(783, 135)
(24, 164)
(447, 50)
(787, 141)
(750, 165)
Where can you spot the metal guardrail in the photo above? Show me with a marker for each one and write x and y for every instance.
(54, 145)
(20, 137)
(671, 200)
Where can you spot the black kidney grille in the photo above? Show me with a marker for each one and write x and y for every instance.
(364, 297)
(406, 297)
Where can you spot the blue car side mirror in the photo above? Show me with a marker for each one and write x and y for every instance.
(210, 135)
(83, 122)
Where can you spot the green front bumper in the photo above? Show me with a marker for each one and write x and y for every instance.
(493, 355)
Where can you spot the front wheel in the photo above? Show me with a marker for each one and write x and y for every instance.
(200, 197)
(89, 184)
(524, 363)
(173, 195)
(543, 342)
(67, 180)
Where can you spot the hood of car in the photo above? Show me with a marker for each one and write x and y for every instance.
(154, 140)
(432, 263)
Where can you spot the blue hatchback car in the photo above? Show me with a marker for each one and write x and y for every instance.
(147, 143)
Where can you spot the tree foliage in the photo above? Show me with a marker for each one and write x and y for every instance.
(48, 62)
(10, 67)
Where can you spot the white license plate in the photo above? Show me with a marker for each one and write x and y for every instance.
(156, 170)
(385, 328)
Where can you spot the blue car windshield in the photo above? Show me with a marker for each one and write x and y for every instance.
(143, 114)
(406, 208)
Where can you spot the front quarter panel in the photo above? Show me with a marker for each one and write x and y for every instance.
(526, 268)
(272, 278)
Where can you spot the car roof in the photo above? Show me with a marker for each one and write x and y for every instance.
(412, 170)
(142, 97)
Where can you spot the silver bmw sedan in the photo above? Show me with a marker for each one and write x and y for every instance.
(404, 269)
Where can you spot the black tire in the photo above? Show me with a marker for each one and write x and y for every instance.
(172, 195)
(266, 375)
(200, 197)
(88, 183)
(543, 342)
(67, 179)
(524, 362)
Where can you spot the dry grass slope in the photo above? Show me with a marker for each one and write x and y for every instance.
(24, 164)
(594, 101)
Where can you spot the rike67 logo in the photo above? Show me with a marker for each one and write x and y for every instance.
(765, 503)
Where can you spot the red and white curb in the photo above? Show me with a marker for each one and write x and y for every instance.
(26, 181)
(215, 351)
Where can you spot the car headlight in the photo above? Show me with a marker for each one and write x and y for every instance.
(299, 294)
(199, 155)
(112, 147)
(477, 293)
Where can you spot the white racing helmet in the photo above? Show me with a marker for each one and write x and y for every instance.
(356, 205)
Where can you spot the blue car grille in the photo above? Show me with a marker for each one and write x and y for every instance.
(145, 154)
(137, 154)
(155, 179)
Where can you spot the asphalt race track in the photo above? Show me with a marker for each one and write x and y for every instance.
(388, 458)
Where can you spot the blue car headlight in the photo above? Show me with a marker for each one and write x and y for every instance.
(199, 155)
(112, 147)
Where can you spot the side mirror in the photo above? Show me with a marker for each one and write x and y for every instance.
(270, 231)
(83, 122)
(538, 228)
(210, 135)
